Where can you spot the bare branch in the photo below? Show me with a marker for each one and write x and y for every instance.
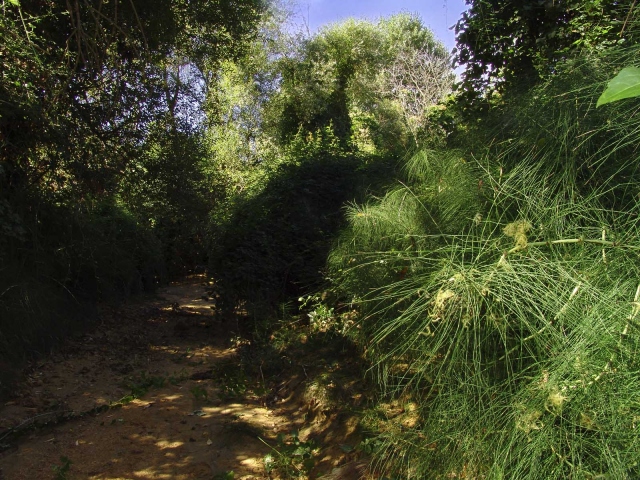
(417, 80)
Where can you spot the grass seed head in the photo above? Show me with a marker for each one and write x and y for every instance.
(518, 231)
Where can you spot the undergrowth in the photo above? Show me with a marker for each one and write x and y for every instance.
(290, 457)
(56, 262)
(500, 292)
(273, 243)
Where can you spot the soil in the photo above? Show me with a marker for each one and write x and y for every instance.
(164, 388)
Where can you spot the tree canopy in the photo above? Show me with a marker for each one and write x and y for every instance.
(507, 44)
(100, 73)
(361, 71)
(97, 97)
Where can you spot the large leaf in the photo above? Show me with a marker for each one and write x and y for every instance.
(624, 85)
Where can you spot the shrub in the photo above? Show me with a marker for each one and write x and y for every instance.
(501, 294)
(56, 262)
(273, 244)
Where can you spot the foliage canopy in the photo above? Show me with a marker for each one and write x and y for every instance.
(513, 44)
(97, 96)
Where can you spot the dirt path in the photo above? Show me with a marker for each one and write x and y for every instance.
(155, 392)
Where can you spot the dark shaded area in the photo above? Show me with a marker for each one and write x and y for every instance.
(274, 247)
(93, 104)
(56, 262)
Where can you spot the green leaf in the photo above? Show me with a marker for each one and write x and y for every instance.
(624, 85)
(300, 451)
(15, 3)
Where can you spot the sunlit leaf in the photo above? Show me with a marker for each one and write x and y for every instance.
(624, 85)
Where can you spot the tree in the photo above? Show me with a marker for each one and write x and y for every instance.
(103, 95)
(98, 73)
(506, 44)
(372, 74)
(97, 96)
(417, 80)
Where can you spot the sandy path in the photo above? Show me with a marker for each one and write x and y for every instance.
(194, 416)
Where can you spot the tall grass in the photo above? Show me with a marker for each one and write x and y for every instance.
(501, 291)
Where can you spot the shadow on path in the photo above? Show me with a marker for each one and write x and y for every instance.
(154, 393)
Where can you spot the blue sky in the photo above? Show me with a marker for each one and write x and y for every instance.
(438, 15)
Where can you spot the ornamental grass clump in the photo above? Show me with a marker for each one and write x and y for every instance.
(501, 293)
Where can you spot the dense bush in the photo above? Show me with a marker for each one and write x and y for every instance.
(323, 124)
(274, 243)
(56, 262)
(499, 292)
(101, 180)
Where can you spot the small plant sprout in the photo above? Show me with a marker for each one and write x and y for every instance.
(61, 471)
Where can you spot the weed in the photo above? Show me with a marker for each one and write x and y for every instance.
(291, 457)
(199, 393)
(224, 476)
(141, 385)
(322, 318)
(371, 446)
(61, 471)
(231, 379)
(124, 400)
(234, 386)
(178, 378)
